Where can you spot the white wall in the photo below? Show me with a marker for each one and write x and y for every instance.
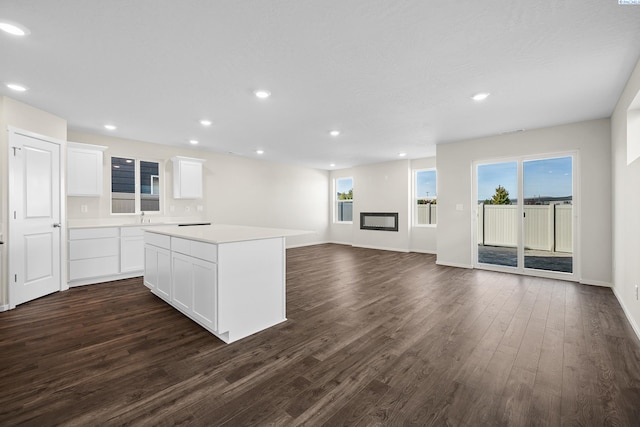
(383, 187)
(626, 204)
(592, 141)
(237, 190)
(423, 239)
(22, 116)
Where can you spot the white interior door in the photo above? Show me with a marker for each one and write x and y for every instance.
(34, 224)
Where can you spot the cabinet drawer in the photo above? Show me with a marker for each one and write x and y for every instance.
(92, 233)
(93, 248)
(201, 250)
(159, 240)
(205, 251)
(182, 246)
(93, 267)
(131, 231)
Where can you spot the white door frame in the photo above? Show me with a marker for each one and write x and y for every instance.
(12, 131)
(520, 159)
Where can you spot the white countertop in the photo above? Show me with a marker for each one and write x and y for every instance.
(101, 223)
(222, 233)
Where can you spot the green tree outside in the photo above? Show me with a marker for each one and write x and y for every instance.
(501, 197)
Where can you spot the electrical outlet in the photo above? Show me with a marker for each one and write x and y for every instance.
(187, 208)
(84, 208)
(200, 208)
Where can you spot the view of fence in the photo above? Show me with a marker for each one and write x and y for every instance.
(546, 227)
(427, 213)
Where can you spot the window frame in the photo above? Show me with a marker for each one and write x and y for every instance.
(137, 181)
(336, 201)
(415, 198)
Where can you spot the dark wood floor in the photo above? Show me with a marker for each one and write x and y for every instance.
(373, 338)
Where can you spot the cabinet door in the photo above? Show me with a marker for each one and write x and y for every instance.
(131, 254)
(84, 172)
(163, 287)
(150, 267)
(205, 293)
(182, 283)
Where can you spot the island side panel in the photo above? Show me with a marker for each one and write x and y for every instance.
(251, 286)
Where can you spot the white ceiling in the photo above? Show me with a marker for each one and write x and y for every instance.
(393, 76)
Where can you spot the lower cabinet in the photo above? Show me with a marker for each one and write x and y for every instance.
(194, 288)
(158, 271)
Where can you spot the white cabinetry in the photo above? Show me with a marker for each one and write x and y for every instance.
(193, 273)
(157, 265)
(93, 252)
(187, 177)
(102, 254)
(131, 249)
(84, 169)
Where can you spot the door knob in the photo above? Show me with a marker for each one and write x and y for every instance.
(57, 225)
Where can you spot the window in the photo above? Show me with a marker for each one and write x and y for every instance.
(344, 200)
(425, 197)
(130, 192)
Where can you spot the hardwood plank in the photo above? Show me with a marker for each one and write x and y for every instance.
(373, 338)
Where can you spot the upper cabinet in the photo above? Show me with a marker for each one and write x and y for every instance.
(84, 169)
(187, 177)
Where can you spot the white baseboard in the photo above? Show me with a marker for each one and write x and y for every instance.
(633, 323)
(336, 242)
(453, 264)
(301, 245)
(4, 307)
(595, 283)
(381, 248)
(420, 251)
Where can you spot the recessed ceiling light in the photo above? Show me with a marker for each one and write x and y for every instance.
(193, 141)
(402, 154)
(110, 127)
(334, 133)
(14, 29)
(259, 151)
(16, 87)
(480, 96)
(332, 165)
(262, 94)
(205, 122)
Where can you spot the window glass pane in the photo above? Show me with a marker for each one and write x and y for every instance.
(426, 197)
(344, 199)
(123, 185)
(149, 187)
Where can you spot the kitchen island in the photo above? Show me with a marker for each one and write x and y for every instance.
(229, 279)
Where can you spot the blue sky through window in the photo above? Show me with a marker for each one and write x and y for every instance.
(343, 185)
(542, 178)
(426, 184)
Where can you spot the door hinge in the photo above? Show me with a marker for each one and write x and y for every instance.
(15, 278)
(14, 215)
(15, 149)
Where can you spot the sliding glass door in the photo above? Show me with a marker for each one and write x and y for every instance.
(525, 216)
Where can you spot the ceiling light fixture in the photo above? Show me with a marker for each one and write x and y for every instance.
(334, 133)
(16, 87)
(332, 165)
(402, 154)
(14, 29)
(262, 94)
(205, 122)
(480, 96)
(259, 151)
(110, 127)
(193, 141)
